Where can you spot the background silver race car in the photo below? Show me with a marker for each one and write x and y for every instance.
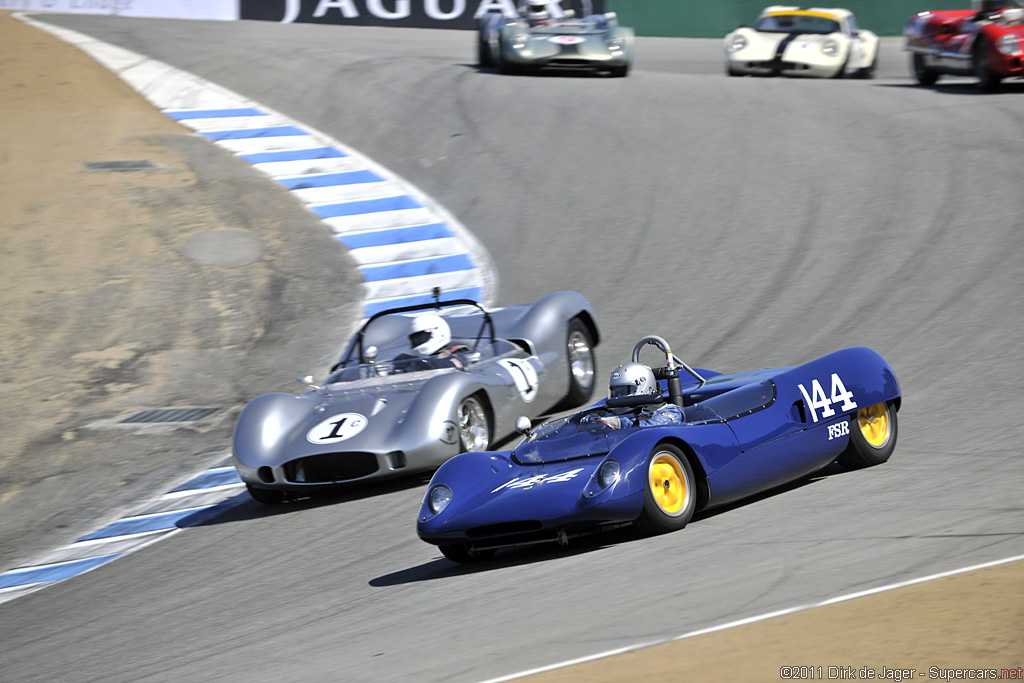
(379, 414)
(595, 42)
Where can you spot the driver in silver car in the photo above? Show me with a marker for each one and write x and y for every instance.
(535, 12)
(431, 338)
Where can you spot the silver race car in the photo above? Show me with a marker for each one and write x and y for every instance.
(416, 386)
(537, 39)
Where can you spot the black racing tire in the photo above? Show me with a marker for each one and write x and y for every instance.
(923, 74)
(483, 51)
(868, 72)
(873, 432)
(670, 491)
(459, 552)
(842, 70)
(619, 71)
(730, 71)
(473, 421)
(499, 61)
(988, 80)
(265, 496)
(582, 363)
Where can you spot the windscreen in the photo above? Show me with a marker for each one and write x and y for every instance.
(797, 23)
(568, 26)
(592, 433)
(399, 369)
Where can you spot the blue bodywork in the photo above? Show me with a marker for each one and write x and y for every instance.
(742, 433)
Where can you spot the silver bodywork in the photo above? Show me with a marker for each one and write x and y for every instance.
(592, 43)
(379, 415)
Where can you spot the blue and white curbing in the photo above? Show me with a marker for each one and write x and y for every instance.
(403, 242)
(195, 500)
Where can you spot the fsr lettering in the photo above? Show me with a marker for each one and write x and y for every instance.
(838, 429)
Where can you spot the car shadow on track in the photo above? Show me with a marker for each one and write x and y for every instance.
(965, 87)
(441, 568)
(242, 507)
(824, 473)
(546, 73)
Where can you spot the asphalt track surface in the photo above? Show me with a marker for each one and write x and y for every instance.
(751, 222)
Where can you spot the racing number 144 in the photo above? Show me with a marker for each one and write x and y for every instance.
(817, 399)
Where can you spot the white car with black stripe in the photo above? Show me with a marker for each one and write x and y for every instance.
(802, 41)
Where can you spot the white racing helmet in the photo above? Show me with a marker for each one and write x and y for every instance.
(632, 379)
(535, 9)
(430, 333)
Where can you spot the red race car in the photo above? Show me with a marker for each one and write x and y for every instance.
(986, 42)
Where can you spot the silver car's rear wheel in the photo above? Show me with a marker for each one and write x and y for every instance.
(474, 430)
(582, 363)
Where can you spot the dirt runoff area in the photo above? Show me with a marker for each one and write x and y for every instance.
(198, 284)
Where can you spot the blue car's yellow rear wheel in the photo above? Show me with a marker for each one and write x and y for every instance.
(872, 436)
(670, 493)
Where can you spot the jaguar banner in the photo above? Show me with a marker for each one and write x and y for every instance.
(460, 14)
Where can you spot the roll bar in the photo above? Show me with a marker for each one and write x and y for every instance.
(437, 304)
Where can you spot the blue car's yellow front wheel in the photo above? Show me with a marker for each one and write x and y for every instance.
(670, 494)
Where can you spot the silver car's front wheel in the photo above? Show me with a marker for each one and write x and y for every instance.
(474, 430)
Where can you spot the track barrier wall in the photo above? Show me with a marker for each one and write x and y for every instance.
(458, 14)
(716, 18)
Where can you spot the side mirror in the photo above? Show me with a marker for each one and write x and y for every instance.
(523, 425)
(308, 380)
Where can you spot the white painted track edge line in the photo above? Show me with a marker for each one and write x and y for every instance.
(171, 495)
(754, 619)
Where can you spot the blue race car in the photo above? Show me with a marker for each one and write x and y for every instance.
(654, 457)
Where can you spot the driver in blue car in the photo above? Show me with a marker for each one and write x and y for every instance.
(637, 379)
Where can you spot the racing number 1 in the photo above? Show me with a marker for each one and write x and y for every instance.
(817, 398)
(526, 379)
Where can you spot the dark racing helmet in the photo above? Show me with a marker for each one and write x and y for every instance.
(988, 6)
(632, 379)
